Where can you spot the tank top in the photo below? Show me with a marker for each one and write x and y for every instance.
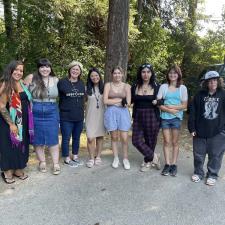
(113, 94)
(49, 96)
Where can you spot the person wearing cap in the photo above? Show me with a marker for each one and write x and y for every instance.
(146, 116)
(71, 105)
(206, 124)
(43, 87)
(117, 120)
(175, 97)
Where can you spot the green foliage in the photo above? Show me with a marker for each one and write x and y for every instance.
(66, 30)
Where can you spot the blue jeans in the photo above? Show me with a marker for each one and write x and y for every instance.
(69, 128)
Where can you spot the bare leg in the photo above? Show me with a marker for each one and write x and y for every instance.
(124, 142)
(99, 146)
(40, 153)
(175, 138)
(114, 139)
(166, 145)
(91, 147)
(54, 151)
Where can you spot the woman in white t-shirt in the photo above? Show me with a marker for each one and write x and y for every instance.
(175, 99)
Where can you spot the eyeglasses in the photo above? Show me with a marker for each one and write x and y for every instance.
(146, 65)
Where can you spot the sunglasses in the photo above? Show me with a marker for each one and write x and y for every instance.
(146, 65)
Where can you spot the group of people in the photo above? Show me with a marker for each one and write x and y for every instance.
(30, 113)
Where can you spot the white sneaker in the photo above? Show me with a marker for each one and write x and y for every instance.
(126, 164)
(116, 162)
(145, 167)
(210, 181)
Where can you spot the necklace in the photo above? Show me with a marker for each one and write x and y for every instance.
(144, 89)
(97, 97)
(117, 84)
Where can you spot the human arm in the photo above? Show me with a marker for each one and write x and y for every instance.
(6, 115)
(106, 99)
(167, 109)
(28, 79)
(128, 94)
(182, 106)
(192, 117)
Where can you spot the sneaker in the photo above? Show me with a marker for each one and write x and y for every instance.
(90, 163)
(195, 178)
(126, 164)
(145, 167)
(166, 170)
(71, 163)
(156, 162)
(210, 181)
(78, 162)
(116, 162)
(173, 170)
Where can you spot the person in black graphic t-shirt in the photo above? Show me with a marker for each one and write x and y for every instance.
(71, 105)
(207, 125)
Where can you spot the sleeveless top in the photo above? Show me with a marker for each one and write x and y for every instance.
(112, 94)
(50, 95)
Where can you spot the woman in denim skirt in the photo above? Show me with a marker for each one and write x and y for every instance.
(43, 86)
(175, 97)
(117, 120)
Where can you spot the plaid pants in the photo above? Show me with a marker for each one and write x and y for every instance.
(145, 131)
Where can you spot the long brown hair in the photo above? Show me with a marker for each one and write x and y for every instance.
(7, 79)
(178, 71)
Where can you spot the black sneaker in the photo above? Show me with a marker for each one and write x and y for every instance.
(173, 170)
(166, 170)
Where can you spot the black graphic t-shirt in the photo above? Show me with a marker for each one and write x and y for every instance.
(71, 100)
(207, 114)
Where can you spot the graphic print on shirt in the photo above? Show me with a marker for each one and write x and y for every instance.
(211, 105)
(75, 93)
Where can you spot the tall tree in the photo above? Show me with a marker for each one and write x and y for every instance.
(117, 36)
(8, 18)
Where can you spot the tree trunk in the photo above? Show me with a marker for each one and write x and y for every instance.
(117, 36)
(139, 13)
(8, 19)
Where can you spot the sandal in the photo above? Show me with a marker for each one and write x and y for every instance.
(98, 161)
(23, 176)
(56, 169)
(90, 163)
(195, 178)
(42, 167)
(7, 180)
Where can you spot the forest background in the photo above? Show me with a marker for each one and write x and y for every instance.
(161, 32)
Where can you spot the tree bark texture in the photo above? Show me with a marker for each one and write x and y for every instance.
(117, 36)
(8, 18)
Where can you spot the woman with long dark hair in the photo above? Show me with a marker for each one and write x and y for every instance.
(16, 123)
(94, 117)
(175, 99)
(43, 86)
(146, 116)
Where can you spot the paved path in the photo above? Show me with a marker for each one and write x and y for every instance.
(105, 196)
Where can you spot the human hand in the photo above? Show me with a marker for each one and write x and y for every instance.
(13, 129)
(124, 102)
(173, 111)
(154, 102)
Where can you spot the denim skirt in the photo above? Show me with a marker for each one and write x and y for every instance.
(46, 123)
